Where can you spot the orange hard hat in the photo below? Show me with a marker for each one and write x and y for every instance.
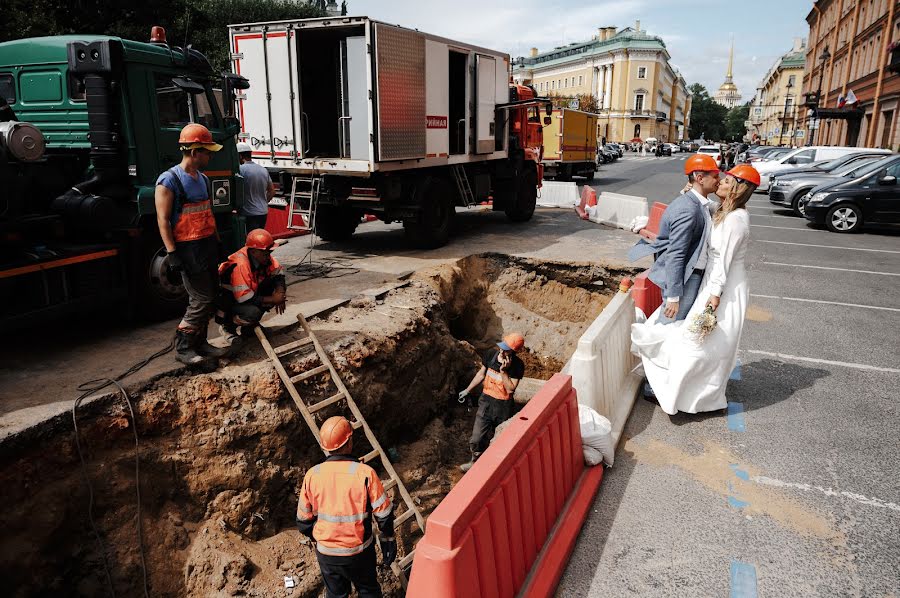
(335, 433)
(745, 172)
(700, 162)
(195, 135)
(260, 238)
(512, 342)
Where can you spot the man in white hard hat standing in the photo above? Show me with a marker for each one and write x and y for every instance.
(259, 189)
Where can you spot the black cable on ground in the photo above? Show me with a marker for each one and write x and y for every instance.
(322, 269)
(89, 388)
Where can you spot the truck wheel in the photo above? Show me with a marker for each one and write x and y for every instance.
(335, 223)
(160, 296)
(589, 176)
(431, 229)
(526, 199)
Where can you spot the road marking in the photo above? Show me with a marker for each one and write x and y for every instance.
(804, 230)
(872, 502)
(826, 302)
(743, 580)
(855, 366)
(838, 269)
(829, 246)
(780, 216)
(736, 417)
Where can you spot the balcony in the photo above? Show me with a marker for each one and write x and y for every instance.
(634, 114)
(661, 116)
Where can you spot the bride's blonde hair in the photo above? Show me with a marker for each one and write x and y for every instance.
(738, 197)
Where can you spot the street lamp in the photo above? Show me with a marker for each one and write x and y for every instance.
(823, 59)
(787, 98)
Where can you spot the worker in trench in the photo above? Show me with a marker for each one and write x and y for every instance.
(338, 501)
(188, 231)
(252, 283)
(500, 372)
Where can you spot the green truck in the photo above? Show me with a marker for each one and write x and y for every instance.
(87, 123)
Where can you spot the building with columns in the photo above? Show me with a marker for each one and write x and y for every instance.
(777, 115)
(639, 93)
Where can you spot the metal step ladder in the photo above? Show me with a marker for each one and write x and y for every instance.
(276, 354)
(295, 204)
(462, 185)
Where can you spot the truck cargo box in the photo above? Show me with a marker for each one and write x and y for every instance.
(352, 96)
(570, 143)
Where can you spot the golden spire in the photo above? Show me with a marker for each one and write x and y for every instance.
(728, 76)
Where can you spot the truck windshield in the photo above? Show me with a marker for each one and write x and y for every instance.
(177, 108)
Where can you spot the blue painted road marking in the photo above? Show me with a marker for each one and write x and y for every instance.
(736, 372)
(743, 580)
(736, 417)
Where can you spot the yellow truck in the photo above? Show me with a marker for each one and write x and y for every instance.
(570, 145)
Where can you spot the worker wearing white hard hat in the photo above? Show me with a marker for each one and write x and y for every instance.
(258, 189)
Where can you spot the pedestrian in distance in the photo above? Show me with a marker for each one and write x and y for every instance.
(338, 500)
(258, 189)
(689, 372)
(501, 370)
(252, 283)
(188, 231)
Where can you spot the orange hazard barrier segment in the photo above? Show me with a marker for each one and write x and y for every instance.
(647, 296)
(650, 231)
(277, 224)
(508, 527)
(588, 199)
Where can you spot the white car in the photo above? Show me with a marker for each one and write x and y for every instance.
(712, 150)
(676, 149)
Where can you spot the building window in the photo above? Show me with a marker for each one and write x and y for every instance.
(637, 131)
(638, 102)
(553, 84)
(792, 80)
(580, 79)
(566, 81)
(642, 72)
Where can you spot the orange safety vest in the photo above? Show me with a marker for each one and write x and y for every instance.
(493, 385)
(340, 495)
(244, 281)
(191, 220)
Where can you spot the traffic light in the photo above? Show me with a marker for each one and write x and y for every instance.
(812, 99)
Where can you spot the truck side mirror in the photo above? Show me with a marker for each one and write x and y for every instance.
(547, 121)
(548, 109)
(231, 83)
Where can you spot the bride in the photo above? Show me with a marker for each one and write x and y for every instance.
(689, 375)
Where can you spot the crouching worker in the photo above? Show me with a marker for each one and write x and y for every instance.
(252, 283)
(338, 499)
(501, 371)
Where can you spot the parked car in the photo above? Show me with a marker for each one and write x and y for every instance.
(664, 149)
(787, 188)
(614, 148)
(802, 156)
(844, 206)
(605, 156)
(674, 148)
(761, 152)
(712, 150)
(686, 146)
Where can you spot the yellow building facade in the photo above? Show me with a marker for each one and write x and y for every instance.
(639, 94)
(777, 115)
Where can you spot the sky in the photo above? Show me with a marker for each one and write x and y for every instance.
(697, 33)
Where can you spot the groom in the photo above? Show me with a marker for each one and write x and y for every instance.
(683, 239)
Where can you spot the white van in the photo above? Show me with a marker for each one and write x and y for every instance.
(803, 156)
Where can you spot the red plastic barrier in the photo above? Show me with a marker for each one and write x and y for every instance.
(508, 527)
(588, 198)
(647, 296)
(276, 223)
(652, 229)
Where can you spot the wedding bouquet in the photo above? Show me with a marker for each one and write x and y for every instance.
(702, 324)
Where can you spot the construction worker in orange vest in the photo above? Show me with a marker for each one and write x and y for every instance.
(188, 230)
(337, 502)
(252, 284)
(501, 371)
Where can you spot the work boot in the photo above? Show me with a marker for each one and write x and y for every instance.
(467, 466)
(235, 341)
(186, 351)
(208, 350)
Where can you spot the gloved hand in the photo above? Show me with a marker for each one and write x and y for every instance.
(173, 260)
(462, 396)
(388, 550)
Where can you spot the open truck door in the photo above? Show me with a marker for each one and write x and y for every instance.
(485, 103)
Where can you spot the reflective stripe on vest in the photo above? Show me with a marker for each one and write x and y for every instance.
(493, 385)
(341, 551)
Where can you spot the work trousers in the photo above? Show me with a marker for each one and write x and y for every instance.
(491, 413)
(201, 280)
(251, 312)
(255, 222)
(688, 295)
(339, 573)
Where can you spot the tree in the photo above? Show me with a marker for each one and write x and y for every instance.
(707, 116)
(734, 122)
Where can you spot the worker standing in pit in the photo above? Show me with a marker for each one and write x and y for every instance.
(258, 186)
(501, 371)
(188, 230)
(337, 502)
(252, 284)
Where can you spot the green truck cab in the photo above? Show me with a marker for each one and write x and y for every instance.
(77, 220)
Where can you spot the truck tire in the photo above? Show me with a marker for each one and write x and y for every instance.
(336, 223)
(590, 175)
(159, 295)
(431, 229)
(526, 200)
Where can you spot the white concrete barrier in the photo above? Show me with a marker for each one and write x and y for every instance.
(618, 210)
(602, 367)
(556, 194)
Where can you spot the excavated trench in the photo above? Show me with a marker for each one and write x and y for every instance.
(222, 456)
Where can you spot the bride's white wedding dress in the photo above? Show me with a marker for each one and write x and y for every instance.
(690, 376)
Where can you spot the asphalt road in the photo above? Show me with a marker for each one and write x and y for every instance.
(799, 493)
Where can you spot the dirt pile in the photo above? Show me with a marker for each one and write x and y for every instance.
(223, 455)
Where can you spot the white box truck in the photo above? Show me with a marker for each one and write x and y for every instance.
(353, 116)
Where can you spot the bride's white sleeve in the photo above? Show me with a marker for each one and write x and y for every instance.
(734, 231)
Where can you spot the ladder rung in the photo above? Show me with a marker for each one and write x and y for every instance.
(405, 561)
(389, 484)
(409, 514)
(356, 425)
(371, 456)
(325, 403)
(309, 374)
(292, 346)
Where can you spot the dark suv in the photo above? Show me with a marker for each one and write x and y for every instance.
(844, 206)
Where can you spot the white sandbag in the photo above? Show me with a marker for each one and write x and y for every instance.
(596, 436)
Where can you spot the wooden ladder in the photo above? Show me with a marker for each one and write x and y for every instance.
(401, 565)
